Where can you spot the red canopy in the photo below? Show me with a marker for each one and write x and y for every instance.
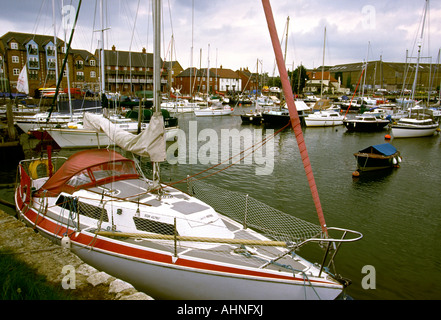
(77, 163)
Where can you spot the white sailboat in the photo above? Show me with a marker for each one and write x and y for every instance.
(325, 118)
(419, 125)
(168, 243)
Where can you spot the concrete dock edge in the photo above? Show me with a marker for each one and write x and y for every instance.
(49, 259)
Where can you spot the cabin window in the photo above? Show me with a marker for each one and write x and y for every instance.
(154, 226)
(85, 209)
(79, 179)
(108, 170)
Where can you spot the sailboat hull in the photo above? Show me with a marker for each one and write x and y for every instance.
(79, 138)
(172, 281)
(413, 131)
(156, 274)
(161, 269)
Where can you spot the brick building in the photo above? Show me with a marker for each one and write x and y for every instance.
(38, 53)
(130, 72)
(392, 76)
(220, 80)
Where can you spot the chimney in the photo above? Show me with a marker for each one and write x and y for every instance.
(143, 50)
(113, 48)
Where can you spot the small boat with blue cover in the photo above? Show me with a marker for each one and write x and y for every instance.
(376, 157)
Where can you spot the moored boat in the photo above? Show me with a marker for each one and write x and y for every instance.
(324, 119)
(251, 117)
(365, 123)
(377, 157)
(163, 241)
(414, 128)
(214, 110)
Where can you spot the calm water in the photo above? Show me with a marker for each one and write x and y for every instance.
(398, 211)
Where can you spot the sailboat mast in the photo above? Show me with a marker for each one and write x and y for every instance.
(294, 117)
(420, 43)
(156, 74)
(323, 64)
(55, 41)
(102, 47)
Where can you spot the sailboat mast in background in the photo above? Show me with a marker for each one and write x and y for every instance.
(156, 76)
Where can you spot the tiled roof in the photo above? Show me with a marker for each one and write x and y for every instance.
(24, 38)
(121, 58)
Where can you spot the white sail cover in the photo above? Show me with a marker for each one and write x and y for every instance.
(22, 83)
(149, 143)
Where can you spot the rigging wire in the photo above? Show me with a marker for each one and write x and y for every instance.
(253, 147)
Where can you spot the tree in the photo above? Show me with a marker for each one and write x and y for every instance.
(297, 86)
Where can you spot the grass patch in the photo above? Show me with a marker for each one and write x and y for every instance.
(18, 281)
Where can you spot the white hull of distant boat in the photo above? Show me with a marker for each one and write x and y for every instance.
(97, 133)
(75, 207)
(413, 128)
(31, 122)
(324, 119)
(181, 106)
(81, 138)
(213, 111)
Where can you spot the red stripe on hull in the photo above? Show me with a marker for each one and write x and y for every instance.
(53, 229)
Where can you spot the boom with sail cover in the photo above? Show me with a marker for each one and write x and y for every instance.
(149, 143)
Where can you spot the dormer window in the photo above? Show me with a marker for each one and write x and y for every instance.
(14, 45)
(33, 49)
(50, 51)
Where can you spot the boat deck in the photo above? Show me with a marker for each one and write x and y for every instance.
(246, 256)
(228, 254)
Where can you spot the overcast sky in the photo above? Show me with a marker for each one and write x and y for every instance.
(235, 33)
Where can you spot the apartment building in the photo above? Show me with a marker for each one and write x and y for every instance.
(43, 60)
(130, 72)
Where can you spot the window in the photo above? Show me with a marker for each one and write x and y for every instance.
(148, 225)
(75, 205)
(92, 74)
(79, 64)
(50, 50)
(15, 59)
(16, 72)
(92, 63)
(50, 74)
(80, 76)
(33, 75)
(33, 49)
(14, 45)
(51, 63)
(33, 63)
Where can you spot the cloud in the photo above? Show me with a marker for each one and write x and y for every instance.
(237, 30)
